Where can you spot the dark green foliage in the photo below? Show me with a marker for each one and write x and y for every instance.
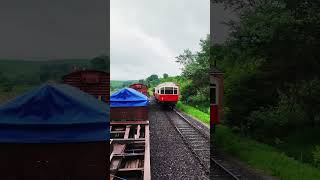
(152, 80)
(141, 81)
(101, 63)
(165, 75)
(5, 83)
(195, 76)
(271, 63)
(19, 75)
(316, 156)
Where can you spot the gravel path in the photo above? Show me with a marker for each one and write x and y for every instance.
(170, 157)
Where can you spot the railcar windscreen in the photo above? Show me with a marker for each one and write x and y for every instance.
(169, 90)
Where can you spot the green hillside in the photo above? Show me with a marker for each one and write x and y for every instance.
(17, 68)
(116, 84)
(18, 76)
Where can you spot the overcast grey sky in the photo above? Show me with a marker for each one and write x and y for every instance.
(49, 29)
(147, 35)
(218, 16)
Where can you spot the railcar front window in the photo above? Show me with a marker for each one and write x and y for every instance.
(169, 90)
(175, 91)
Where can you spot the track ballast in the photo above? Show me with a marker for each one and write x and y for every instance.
(199, 143)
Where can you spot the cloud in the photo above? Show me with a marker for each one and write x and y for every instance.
(146, 35)
(46, 29)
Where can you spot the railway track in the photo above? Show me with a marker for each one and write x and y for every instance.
(199, 144)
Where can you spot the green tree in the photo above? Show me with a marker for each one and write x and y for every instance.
(195, 69)
(274, 44)
(141, 81)
(101, 63)
(165, 76)
(152, 80)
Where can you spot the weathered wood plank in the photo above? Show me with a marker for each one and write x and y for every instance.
(128, 122)
(130, 169)
(138, 132)
(126, 135)
(147, 173)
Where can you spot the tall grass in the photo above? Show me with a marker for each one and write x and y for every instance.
(203, 117)
(262, 156)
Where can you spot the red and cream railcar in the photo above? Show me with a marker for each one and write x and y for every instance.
(167, 93)
(140, 87)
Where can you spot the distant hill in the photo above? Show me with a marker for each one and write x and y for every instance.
(18, 76)
(14, 69)
(116, 84)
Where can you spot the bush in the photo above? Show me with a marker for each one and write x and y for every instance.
(316, 156)
(297, 107)
(266, 124)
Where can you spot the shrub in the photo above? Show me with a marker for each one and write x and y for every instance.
(316, 156)
(269, 123)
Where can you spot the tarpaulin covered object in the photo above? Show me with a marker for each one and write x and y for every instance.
(128, 97)
(54, 113)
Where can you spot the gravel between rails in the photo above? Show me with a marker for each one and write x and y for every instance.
(170, 156)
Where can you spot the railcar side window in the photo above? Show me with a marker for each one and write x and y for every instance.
(162, 90)
(175, 91)
(169, 90)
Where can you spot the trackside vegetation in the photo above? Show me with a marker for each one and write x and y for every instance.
(271, 76)
(262, 156)
(258, 155)
(203, 117)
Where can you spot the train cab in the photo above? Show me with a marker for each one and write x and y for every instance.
(216, 95)
(167, 93)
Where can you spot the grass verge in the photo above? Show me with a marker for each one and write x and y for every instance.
(301, 144)
(204, 117)
(263, 157)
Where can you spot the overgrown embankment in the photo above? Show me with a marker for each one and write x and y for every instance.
(257, 155)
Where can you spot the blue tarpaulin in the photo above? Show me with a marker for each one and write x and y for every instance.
(54, 113)
(128, 97)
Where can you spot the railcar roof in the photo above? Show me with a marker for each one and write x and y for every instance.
(167, 84)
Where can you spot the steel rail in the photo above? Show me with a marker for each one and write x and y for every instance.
(186, 141)
(223, 168)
